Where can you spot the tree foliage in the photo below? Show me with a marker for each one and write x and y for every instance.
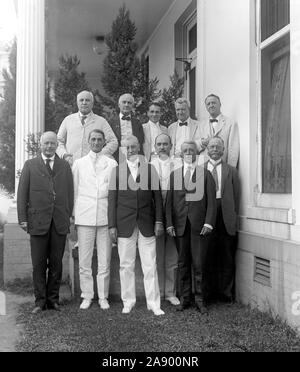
(7, 123)
(168, 98)
(124, 72)
(121, 65)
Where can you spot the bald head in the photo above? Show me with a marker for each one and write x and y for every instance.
(163, 145)
(49, 144)
(85, 102)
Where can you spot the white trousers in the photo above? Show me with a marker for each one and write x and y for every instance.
(127, 255)
(86, 242)
(167, 259)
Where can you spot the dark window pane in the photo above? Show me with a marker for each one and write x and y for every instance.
(192, 78)
(276, 118)
(193, 38)
(275, 14)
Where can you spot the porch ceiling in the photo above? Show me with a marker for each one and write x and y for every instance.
(72, 25)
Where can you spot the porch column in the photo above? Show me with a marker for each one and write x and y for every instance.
(201, 54)
(30, 93)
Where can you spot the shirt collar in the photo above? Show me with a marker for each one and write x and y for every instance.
(121, 115)
(134, 163)
(188, 165)
(93, 155)
(164, 162)
(215, 163)
(188, 120)
(45, 157)
(156, 124)
(217, 118)
(87, 116)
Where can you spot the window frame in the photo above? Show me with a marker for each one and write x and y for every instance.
(190, 22)
(266, 200)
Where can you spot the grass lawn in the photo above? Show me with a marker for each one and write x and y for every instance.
(226, 328)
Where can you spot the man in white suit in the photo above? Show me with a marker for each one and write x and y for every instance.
(91, 182)
(152, 129)
(218, 125)
(74, 131)
(185, 129)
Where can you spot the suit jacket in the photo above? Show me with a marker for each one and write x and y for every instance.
(137, 131)
(132, 204)
(198, 205)
(148, 144)
(194, 134)
(42, 198)
(228, 130)
(91, 190)
(72, 136)
(230, 195)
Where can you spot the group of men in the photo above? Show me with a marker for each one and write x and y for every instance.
(173, 193)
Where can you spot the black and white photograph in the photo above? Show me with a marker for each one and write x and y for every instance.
(149, 181)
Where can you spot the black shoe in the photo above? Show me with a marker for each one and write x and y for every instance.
(54, 306)
(225, 299)
(183, 306)
(202, 307)
(37, 310)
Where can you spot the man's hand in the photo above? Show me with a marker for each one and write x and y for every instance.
(171, 231)
(68, 158)
(206, 231)
(113, 233)
(204, 142)
(23, 226)
(159, 229)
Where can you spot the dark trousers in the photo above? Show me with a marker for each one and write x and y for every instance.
(46, 254)
(192, 252)
(221, 259)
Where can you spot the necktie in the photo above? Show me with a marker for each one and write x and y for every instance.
(213, 120)
(48, 166)
(126, 118)
(187, 177)
(183, 124)
(83, 119)
(215, 175)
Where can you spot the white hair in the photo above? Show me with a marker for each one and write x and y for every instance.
(126, 94)
(183, 101)
(86, 92)
(128, 139)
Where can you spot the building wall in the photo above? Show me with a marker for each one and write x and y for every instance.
(161, 45)
(227, 66)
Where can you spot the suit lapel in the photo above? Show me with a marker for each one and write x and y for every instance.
(225, 172)
(220, 125)
(56, 166)
(192, 129)
(116, 127)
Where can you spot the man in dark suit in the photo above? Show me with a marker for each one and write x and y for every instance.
(125, 124)
(45, 204)
(135, 217)
(190, 214)
(223, 243)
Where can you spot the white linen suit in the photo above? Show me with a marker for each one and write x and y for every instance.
(73, 137)
(193, 133)
(91, 182)
(228, 130)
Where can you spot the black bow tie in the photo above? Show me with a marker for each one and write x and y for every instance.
(127, 118)
(213, 120)
(183, 124)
